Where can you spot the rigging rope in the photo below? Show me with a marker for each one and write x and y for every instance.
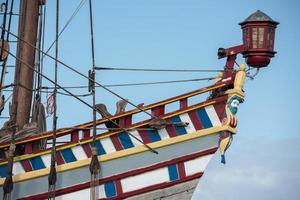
(38, 56)
(94, 164)
(82, 101)
(88, 78)
(8, 183)
(4, 26)
(67, 23)
(160, 82)
(138, 84)
(41, 25)
(52, 175)
(43, 47)
(157, 70)
(4, 66)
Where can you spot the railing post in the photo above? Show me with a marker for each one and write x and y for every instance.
(158, 111)
(183, 103)
(75, 136)
(28, 148)
(125, 122)
(86, 133)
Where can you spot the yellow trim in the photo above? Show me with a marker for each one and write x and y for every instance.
(122, 153)
(23, 157)
(100, 121)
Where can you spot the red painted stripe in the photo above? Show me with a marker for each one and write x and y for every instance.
(144, 135)
(87, 149)
(220, 109)
(59, 158)
(155, 187)
(171, 129)
(181, 170)
(26, 165)
(116, 142)
(118, 187)
(127, 174)
(195, 120)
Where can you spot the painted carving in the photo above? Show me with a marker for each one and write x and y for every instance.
(230, 119)
(239, 81)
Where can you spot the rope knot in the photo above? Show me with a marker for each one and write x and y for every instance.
(94, 165)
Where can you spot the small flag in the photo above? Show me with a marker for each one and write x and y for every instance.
(50, 104)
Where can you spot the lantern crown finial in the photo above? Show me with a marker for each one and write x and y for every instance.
(259, 16)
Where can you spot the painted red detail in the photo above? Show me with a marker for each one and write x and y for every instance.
(144, 135)
(118, 187)
(195, 119)
(59, 158)
(87, 149)
(171, 129)
(133, 173)
(181, 170)
(115, 140)
(26, 165)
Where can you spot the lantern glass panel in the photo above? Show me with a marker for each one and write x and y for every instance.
(268, 39)
(246, 38)
(254, 38)
(271, 41)
(260, 37)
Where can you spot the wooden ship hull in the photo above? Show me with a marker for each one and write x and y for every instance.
(128, 168)
(158, 156)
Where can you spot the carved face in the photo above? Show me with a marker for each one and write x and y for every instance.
(234, 103)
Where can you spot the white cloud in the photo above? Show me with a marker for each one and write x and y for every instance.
(267, 169)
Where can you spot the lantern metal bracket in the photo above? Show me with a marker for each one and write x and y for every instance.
(230, 53)
(252, 76)
(222, 53)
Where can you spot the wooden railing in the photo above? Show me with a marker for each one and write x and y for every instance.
(124, 120)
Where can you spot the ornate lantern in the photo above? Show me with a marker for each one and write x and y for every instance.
(258, 38)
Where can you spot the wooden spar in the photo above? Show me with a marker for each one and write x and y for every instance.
(22, 93)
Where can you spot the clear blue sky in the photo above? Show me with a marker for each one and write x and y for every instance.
(263, 161)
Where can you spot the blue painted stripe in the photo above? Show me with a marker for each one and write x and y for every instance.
(68, 155)
(110, 189)
(125, 140)
(173, 172)
(100, 149)
(3, 171)
(37, 163)
(204, 118)
(179, 129)
(154, 136)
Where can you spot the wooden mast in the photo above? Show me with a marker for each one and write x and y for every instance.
(22, 93)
